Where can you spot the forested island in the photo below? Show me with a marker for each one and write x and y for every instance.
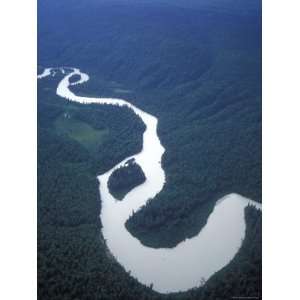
(74, 78)
(125, 178)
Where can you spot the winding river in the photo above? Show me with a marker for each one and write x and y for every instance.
(168, 270)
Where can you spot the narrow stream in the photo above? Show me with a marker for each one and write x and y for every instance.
(168, 270)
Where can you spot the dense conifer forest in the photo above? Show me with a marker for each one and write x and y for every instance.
(198, 72)
(125, 178)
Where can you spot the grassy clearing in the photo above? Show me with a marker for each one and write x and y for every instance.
(83, 133)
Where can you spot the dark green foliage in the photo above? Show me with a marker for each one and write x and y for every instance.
(125, 178)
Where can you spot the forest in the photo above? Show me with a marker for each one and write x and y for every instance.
(199, 72)
(125, 178)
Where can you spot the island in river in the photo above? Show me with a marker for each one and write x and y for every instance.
(125, 178)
